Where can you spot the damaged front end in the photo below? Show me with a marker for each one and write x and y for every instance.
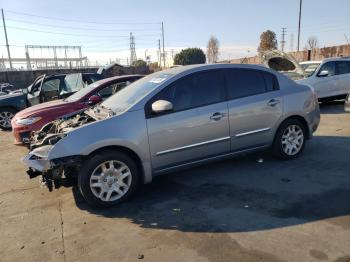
(54, 173)
(54, 131)
(59, 171)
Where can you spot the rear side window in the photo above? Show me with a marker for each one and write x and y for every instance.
(342, 67)
(245, 82)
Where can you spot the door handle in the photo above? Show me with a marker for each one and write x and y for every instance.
(217, 116)
(273, 102)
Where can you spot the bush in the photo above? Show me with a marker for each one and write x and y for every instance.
(139, 63)
(190, 56)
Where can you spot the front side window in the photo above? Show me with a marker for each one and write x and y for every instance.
(51, 85)
(245, 82)
(329, 67)
(198, 89)
(342, 67)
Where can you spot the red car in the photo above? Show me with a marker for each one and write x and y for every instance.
(35, 117)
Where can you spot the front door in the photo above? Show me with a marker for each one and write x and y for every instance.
(197, 127)
(255, 106)
(324, 86)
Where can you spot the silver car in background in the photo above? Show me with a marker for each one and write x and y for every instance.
(171, 120)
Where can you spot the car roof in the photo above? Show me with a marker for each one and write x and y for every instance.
(346, 58)
(114, 78)
(180, 69)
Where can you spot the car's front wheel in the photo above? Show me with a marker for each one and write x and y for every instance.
(108, 178)
(290, 139)
(6, 115)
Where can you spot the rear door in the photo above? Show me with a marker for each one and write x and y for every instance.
(342, 72)
(196, 128)
(255, 105)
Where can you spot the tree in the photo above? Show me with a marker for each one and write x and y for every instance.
(139, 63)
(212, 49)
(311, 43)
(190, 56)
(268, 41)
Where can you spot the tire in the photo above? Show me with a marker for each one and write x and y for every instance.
(95, 184)
(6, 114)
(288, 144)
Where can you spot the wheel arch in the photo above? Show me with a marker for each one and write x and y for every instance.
(299, 118)
(127, 151)
(10, 107)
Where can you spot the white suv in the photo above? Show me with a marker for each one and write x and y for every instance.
(331, 79)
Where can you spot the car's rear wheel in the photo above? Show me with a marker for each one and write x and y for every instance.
(108, 178)
(6, 115)
(290, 139)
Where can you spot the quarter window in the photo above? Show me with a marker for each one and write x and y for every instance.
(342, 67)
(245, 82)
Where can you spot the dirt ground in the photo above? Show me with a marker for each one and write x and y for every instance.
(236, 210)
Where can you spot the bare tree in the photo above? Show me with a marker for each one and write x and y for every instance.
(213, 49)
(311, 43)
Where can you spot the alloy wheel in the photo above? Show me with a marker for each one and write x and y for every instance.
(5, 119)
(110, 180)
(292, 140)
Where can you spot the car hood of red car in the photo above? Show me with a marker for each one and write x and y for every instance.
(56, 107)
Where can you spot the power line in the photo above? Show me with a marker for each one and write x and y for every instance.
(81, 28)
(61, 33)
(81, 21)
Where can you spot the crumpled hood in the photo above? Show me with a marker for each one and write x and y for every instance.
(281, 61)
(44, 108)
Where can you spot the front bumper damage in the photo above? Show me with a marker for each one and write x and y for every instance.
(54, 173)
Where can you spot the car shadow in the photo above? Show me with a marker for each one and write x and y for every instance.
(332, 107)
(248, 193)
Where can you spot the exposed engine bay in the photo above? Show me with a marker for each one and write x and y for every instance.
(63, 171)
(52, 132)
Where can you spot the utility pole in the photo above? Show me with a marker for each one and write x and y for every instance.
(160, 54)
(132, 50)
(283, 41)
(163, 44)
(300, 4)
(7, 42)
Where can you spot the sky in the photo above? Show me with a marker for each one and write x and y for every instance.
(102, 27)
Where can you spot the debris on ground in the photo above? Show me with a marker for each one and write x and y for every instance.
(140, 256)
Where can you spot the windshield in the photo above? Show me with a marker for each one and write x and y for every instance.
(135, 92)
(81, 93)
(310, 68)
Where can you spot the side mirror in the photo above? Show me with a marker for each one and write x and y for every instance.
(160, 106)
(323, 73)
(94, 99)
